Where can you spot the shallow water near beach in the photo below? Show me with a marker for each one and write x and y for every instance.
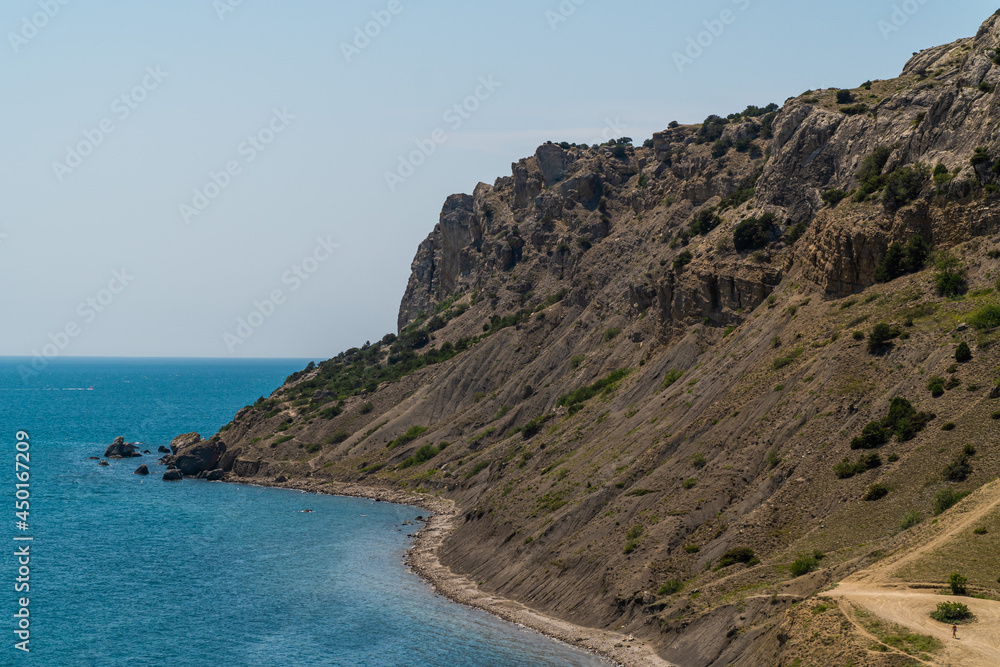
(131, 570)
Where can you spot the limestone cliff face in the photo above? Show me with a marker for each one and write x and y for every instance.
(623, 362)
(939, 111)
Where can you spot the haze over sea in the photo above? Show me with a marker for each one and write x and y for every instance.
(131, 570)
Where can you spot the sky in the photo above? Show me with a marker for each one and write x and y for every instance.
(237, 178)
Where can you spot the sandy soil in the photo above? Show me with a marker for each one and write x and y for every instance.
(910, 603)
(422, 558)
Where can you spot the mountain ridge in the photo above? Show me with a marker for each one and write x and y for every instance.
(648, 376)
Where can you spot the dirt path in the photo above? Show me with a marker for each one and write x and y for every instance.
(909, 604)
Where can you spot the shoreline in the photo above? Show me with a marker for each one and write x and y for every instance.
(620, 650)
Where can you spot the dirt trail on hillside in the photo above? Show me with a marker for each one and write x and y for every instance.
(909, 604)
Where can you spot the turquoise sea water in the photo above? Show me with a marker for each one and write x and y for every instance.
(131, 570)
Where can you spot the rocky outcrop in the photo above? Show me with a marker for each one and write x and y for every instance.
(120, 449)
(164, 450)
(199, 455)
(142, 470)
(447, 256)
(182, 441)
(173, 475)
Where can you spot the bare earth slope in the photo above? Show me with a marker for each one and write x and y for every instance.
(638, 371)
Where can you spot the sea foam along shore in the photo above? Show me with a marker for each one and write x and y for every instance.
(422, 557)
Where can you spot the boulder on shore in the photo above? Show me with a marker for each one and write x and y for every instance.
(142, 470)
(173, 475)
(119, 449)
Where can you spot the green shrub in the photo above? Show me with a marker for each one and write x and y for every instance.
(611, 334)
(903, 419)
(698, 460)
(422, 455)
(878, 339)
(946, 499)
(635, 532)
(672, 377)
(534, 427)
(876, 492)
(904, 185)
(753, 233)
(858, 335)
(671, 587)
(773, 460)
(834, 197)
(844, 97)
(847, 469)
(803, 565)
(855, 109)
(948, 426)
(683, 259)
(411, 434)
(963, 353)
(705, 222)
(900, 260)
(873, 436)
(959, 469)
(957, 583)
(605, 385)
(365, 408)
(711, 129)
(781, 362)
(950, 277)
(692, 548)
(737, 555)
(987, 317)
(690, 483)
(720, 148)
(910, 519)
(312, 448)
(794, 233)
(936, 386)
(870, 174)
(282, 440)
(981, 156)
(951, 612)
(338, 437)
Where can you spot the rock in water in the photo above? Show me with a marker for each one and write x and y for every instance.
(120, 449)
(173, 476)
(141, 470)
(164, 450)
(104, 463)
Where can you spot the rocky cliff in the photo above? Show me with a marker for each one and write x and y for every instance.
(643, 371)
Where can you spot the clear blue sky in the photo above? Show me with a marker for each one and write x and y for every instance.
(66, 228)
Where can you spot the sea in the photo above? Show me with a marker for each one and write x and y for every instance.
(100, 566)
